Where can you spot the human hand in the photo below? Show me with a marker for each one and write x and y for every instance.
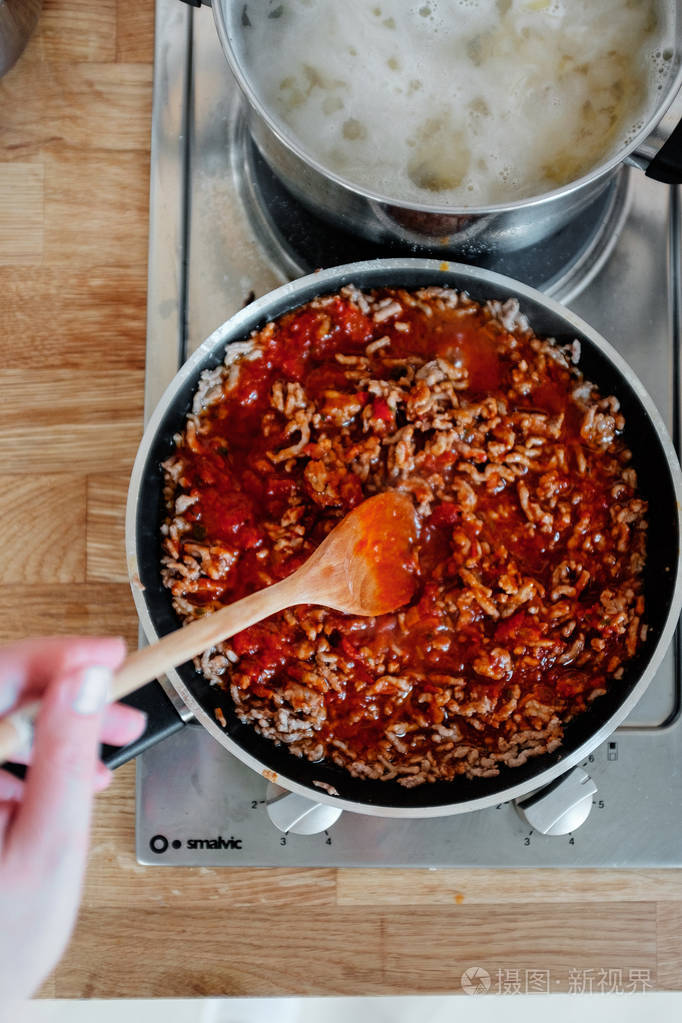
(45, 820)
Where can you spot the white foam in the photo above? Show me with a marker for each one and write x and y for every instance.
(462, 102)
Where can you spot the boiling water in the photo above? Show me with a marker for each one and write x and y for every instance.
(459, 102)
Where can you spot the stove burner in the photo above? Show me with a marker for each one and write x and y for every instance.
(217, 233)
(561, 266)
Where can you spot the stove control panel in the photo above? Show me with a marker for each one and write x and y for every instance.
(561, 807)
(198, 806)
(296, 815)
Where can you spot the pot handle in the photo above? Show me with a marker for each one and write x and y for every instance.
(666, 166)
(164, 718)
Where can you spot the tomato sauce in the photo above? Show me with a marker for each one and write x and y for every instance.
(492, 527)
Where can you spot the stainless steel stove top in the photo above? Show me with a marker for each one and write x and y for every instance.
(222, 232)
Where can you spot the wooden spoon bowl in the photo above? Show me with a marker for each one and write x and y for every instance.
(365, 566)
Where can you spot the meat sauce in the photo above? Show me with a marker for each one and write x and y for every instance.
(466, 654)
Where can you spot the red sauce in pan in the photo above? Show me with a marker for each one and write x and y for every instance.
(484, 667)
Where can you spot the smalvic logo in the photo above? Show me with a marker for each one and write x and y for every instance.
(214, 843)
(159, 843)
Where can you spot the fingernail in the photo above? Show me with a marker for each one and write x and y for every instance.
(138, 724)
(94, 690)
(9, 694)
(23, 726)
(103, 777)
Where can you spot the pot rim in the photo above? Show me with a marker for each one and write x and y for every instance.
(330, 280)
(290, 142)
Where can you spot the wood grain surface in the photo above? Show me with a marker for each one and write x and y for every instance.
(74, 172)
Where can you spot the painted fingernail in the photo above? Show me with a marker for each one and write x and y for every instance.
(94, 690)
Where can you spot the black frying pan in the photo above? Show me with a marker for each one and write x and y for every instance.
(660, 481)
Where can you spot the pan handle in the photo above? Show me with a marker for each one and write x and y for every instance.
(163, 719)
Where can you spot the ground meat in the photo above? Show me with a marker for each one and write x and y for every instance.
(532, 535)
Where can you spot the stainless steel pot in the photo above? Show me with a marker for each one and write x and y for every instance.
(660, 480)
(462, 232)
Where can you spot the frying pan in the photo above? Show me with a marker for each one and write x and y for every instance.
(660, 481)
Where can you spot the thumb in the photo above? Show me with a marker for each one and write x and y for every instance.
(54, 819)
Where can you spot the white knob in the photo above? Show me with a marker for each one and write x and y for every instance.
(560, 807)
(296, 814)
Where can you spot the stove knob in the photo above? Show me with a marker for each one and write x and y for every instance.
(561, 807)
(297, 815)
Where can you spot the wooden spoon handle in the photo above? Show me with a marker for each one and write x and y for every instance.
(175, 648)
(189, 641)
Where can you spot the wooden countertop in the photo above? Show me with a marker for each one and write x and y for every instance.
(74, 166)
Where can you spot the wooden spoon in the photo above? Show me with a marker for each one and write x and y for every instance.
(365, 566)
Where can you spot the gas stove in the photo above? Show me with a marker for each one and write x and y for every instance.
(223, 231)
